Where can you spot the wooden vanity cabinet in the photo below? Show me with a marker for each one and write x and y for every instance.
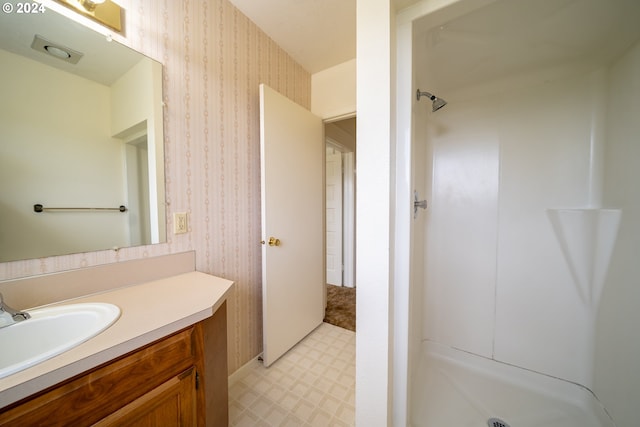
(161, 384)
(173, 403)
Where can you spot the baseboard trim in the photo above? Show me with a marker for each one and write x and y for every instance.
(239, 373)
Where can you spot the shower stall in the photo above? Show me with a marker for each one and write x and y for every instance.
(523, 278)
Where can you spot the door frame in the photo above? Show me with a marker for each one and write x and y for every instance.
(349, 219)
(334, 151)
(348, 207)
(348, 212)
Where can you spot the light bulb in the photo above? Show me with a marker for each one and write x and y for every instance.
(90, 5)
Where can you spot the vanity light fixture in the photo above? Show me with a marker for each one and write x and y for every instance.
(106, 12)
(90, 5)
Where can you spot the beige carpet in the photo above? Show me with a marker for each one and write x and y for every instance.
(341, 307)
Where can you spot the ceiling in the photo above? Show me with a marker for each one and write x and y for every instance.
(102, 61)
(318, 34)
(516, 41)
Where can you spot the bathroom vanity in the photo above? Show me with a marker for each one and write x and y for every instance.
(163, 362)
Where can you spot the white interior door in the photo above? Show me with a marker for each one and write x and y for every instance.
(333, 180)
(291, 147)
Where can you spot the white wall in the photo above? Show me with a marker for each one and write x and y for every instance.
(137, 165)
(461, 229)
(333, 91)
(544, 163)
(56, 150)
(617, 375)
(373, 256)
(136, 106)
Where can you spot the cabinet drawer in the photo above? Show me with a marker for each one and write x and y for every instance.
(89, 397)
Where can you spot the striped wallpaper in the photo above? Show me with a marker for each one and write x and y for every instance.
(214, 59)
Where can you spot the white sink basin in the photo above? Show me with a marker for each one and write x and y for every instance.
(51, 331)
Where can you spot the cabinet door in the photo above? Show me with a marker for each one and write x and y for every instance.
(173, 403)
(90, 397)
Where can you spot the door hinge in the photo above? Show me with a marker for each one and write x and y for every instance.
(197, 380)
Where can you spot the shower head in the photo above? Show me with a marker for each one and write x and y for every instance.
(437, 103)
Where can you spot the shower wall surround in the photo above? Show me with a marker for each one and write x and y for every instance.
(617, 376)
(214, 59)
(497, 282)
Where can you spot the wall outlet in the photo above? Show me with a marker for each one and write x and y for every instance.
(179, 222)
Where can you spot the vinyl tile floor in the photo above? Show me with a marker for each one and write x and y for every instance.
(313, 384)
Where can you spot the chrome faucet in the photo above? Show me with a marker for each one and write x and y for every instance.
(9, 316)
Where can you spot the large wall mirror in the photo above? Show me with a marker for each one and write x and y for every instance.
(79, 139)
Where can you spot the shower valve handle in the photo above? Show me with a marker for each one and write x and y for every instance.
(420, 204)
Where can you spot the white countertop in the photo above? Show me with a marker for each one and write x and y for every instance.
(150, 311)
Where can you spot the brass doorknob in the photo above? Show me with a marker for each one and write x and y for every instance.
(274, 242)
